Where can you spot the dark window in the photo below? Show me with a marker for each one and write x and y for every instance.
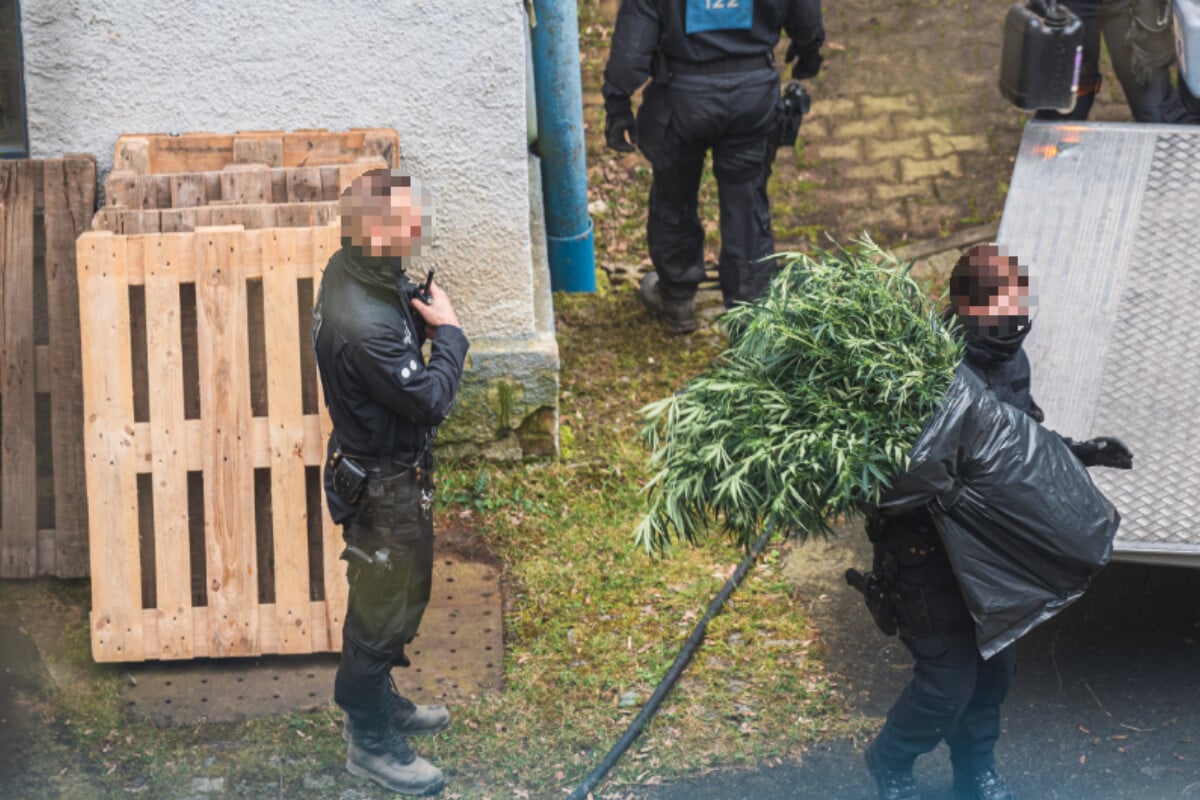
(14, 137)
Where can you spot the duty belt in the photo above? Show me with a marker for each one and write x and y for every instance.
(722, 66)
(385, 467)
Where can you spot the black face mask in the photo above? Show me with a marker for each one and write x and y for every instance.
(1002, 328)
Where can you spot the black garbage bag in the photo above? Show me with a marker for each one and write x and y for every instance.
(1024, 527)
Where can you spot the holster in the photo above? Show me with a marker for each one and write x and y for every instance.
(349, 478)
(794, 103)
(879, 602)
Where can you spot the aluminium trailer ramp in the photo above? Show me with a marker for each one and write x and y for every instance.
(1107, 217)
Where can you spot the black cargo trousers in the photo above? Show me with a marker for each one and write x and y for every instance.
(394, 526)
(732, 114)
(954, 693)
(1155, 100)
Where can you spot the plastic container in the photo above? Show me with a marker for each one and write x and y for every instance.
(1039, 67)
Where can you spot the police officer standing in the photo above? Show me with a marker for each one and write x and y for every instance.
(955, 695)
(1142, 48)
(714, 85)
(385, 402)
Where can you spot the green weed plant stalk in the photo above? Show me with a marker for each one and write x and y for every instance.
(809, 412)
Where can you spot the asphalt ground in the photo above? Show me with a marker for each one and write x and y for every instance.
(1105, 706)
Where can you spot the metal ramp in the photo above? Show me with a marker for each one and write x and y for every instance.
(1107, 217)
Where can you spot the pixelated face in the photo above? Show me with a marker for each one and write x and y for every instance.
(386, 214)
(990, 291)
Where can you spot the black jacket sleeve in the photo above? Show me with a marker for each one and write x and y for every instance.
(634, 41)
(397, 378)
(804, 24)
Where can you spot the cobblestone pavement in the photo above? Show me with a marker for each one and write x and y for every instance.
(909, 137)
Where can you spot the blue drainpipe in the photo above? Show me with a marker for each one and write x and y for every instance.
(569, 239)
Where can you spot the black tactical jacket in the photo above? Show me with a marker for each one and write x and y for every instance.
(1002, 364)
(383, 399)
(646, 26)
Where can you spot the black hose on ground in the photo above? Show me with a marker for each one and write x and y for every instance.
(681, 661)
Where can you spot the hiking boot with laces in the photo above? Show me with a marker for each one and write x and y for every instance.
(678, 315)
(985, 785)
(892, 784)
(407, 718)
(378, 753)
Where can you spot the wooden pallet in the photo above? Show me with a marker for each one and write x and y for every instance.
(242, 184)
(181, 220)
(188, 560)
(44, 205)
(157, 153)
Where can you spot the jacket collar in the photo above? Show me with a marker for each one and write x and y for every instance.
(989, 350)
(381, 272)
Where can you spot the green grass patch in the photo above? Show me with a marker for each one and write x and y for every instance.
(591, 625)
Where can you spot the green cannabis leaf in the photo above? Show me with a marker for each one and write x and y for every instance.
(813, 407)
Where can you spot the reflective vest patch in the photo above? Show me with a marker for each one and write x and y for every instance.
(719, 15)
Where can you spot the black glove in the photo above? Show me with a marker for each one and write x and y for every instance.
(1103, 451)
(619, 121)
(808, 60)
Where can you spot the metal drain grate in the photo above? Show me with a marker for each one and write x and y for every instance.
(458, 653)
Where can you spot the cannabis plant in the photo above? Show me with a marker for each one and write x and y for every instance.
(813, 407)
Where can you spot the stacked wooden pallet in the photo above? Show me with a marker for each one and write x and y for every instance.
(256, 179)
(251, 195)
(209, 535)
(204, 432)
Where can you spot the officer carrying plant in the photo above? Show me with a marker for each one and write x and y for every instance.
(848, 391)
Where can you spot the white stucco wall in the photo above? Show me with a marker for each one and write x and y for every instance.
(448, 75)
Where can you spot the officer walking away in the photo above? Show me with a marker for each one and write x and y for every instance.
(385, 402)
(955, 695)
(713, 86)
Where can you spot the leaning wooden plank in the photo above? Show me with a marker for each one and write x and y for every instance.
(188, 190)
(279, 180)
(323, 243)
(18, 443)
(251, 149)
(303, 184)
(259, 215)
(120, 188)
(190, 152)
(107, 219)
(246, 184)
(293, 215)
(69, 190)
(223, 342)
(198, 152)
(109, 448)
(181, 220)
(306, 148)
(286, 421)
(382, 142)
(132, 153)
(139, 221)
(260, 443)
(164, 257)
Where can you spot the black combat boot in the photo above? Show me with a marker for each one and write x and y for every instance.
(408, 718)
(379, 753)
(985, 785)
(678, 315)
(893, 784)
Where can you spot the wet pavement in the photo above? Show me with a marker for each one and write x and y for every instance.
(1105, 706)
